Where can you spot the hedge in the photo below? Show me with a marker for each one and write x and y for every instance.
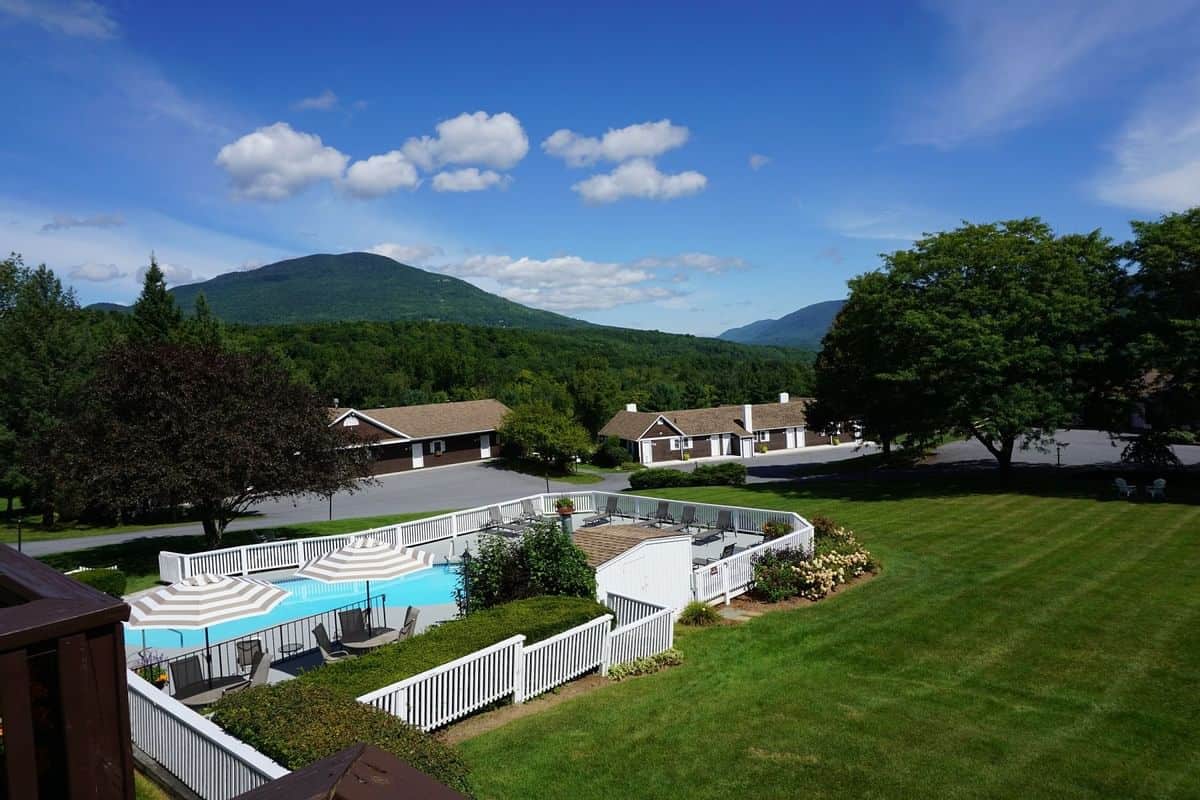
(729, 473)
(109, 581)
(538, 618)
(297, 723)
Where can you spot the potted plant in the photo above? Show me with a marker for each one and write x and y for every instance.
(565, 506)
(687, 455)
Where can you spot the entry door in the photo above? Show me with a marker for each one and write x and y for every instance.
(725, 444)
(791, 438)
(647, 452)
(418, 455)
(485, 446)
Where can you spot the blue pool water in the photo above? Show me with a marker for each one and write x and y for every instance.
(306, 597)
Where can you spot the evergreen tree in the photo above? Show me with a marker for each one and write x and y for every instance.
(156, 318)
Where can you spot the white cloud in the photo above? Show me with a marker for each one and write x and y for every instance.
(97, 273)
(276, 162)
(62, 222)
(379, 175)
(899, 224)
(1157, 156)
(469, 180)
(758, 161)
(700, 262)
(412, 254)
(173, 274)
(1014, 61)
(639, 178)
(325, 101)
(585, 298)
(83, 19)
(643, 140)
(496, 141)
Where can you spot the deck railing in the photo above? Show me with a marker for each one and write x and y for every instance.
(293, 553)
(730, 577)
(280, 642)
(210, 762)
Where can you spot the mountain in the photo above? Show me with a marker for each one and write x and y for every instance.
(357, 286)
(803, 328)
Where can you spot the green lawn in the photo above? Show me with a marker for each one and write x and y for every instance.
(32, 530)
(138, 558)
(1020, 642)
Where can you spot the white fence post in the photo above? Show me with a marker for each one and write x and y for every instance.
(242, 553)
(606, 652)
(519, 672)
(725, 581)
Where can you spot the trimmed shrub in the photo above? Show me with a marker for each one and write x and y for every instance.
(297, 723)
(838, 558)
(1180, 436)
(699, 614)
(610, 453)
(823, 526)
(537, 618)
(645, 666)
(775, 574)
(110, 581)
(543, 562)
(773, 530)
(727, 474)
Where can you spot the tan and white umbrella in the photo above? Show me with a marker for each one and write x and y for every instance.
(204, 600)
(366, 559)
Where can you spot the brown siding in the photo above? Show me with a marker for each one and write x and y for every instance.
(391, 458)
(812, 438)
(366, 432)
(398, 457)
(659, 429)
(701, 447)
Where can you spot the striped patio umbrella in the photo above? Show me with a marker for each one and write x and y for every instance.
(204, 600)
(366, 559)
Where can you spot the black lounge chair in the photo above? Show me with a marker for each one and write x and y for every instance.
(687, 520)
(193, 690)
(610, 511)
(725, 523)
(726, 552)
(410, 623)
(662, 516)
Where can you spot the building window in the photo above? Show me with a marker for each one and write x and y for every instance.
(349, 422)
(762, 436)
(437, 447)
(675, 443)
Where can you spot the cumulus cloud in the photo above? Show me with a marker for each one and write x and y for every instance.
(173, 274)
(407, 253)
(639, 178)
(758, 161)
(97, 273)
(325, 101)
(700, 262)
(643, 140)
(469, 179)
(82, 19)
(381, 174)
(496, 141)
(276, 162)
(1156, 159)
(62, 222)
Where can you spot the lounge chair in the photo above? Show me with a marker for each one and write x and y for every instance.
(725, 523)
(687, 520)
(194, 690)
(528, 512)
(329, 653)
(610, 511)
(1124, 489)
(410, 622)
(726, 551)
(260, 670)
(661, 516)
(186, 676)
(1157, 490)
(247, 651)
(497, 524)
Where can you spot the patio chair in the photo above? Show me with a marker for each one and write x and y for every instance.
(247, 651)
(329, 653)
(1158, 489)
(187, 677)
(498, 524)
(725, 523)
(410, 622)
(353, 623)
(610, 511)
(687, 520)
(1123, 488)
(260, 670)
(661, 516)
(528, 512)
(726, 552)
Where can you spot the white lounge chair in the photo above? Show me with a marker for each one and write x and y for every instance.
(1123, 488)
(1157, 490)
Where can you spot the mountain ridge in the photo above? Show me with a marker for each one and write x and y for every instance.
(803, 328)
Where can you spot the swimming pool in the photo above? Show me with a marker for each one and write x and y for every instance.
(306, 597)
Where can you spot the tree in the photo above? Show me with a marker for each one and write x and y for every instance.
(203, 328)
(47, 350)
(544, 561)
(156, 318)
(864, 373)
(1003, 323)
(537, 431)
(181, 423)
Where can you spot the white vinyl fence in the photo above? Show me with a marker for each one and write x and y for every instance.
(210, 762)
(733, 576)
(294, 553)
(443, 694)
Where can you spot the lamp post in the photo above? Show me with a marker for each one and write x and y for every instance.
(20, 519)
(1058, 448)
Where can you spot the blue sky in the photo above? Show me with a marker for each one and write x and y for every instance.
(687, 167)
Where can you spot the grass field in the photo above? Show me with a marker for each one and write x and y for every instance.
(1020, 642)
(138, 558)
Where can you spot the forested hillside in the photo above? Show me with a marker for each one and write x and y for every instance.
(590, 372)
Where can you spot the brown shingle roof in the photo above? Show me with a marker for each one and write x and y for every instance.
(606, 542)
(438, 419)
(630, 425)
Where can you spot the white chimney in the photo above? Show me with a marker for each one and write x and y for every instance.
(631, 406)
(784, 397)
(335, 402)
(748, 417)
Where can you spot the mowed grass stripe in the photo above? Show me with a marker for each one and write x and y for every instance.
(1016, 644)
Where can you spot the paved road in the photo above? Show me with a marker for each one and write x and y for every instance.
(1083, 448)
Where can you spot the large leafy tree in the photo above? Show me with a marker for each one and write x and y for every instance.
(47, 349)
(538, 431)
(1003, 324)
(182, 423)
(865, 370)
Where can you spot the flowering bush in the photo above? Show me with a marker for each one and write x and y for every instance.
(838, 558)
(773, 529)
(645, 666)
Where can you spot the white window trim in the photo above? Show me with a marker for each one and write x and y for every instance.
(674, 443)
(349, 422)
(762, 437)
(437, 447)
